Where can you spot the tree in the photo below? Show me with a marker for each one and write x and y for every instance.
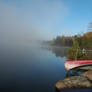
(75, 52)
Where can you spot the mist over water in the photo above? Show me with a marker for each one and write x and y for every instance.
(25, 64)
(26, 67)
(31, 67)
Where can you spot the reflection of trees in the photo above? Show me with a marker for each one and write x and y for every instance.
(59, 52)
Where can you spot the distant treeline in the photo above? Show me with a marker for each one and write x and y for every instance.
(81, 45)
(85, 40)
(62, 41)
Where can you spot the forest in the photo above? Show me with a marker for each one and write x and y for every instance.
(80, 45)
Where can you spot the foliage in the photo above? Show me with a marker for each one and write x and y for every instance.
(63, 41)
(86, 41)
(83, 41)
(75, 52)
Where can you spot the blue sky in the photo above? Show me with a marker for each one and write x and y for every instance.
(45, 19)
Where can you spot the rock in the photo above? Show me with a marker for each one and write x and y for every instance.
(88, 75)
(73, 82)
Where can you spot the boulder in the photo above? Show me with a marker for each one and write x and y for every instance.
(73, 82)
(88, 75)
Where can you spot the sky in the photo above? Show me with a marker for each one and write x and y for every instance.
(43, 19)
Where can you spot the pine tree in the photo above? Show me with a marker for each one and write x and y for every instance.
(75, 52)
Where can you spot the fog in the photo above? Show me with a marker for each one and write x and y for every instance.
(12, 29)
(29, 22)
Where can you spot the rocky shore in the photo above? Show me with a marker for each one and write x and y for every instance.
(77, 81)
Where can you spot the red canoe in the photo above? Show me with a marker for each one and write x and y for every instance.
(73, 64)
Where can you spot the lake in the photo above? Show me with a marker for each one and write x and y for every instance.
(28, 67)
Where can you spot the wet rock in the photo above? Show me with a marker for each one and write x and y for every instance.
(73, 82)
(88, 75)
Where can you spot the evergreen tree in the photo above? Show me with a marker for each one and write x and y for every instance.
(75, 52)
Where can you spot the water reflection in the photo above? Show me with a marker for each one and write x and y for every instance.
(58, 51)
(76, 72)
(61, 52)
(73, 73)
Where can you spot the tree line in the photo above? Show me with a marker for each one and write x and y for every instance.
(81, 45)
(84, 40)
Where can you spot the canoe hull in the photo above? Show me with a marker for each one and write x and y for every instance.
(74, 64)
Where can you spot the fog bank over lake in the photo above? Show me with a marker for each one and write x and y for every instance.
(31, 67)
(27, 65)
(13, 30)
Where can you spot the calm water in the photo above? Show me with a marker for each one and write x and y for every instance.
(32, 68)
